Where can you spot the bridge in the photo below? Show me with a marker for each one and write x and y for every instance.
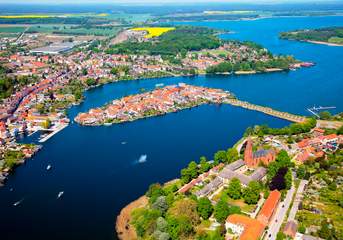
(267, 110)
(283, 115)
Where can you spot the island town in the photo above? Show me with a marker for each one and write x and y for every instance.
(157, 102)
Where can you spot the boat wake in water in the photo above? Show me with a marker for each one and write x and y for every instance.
(142, 159)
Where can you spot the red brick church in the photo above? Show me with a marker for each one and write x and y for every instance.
(253, 159)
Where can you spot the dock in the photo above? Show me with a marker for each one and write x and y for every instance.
(53, 132)
(267, 110)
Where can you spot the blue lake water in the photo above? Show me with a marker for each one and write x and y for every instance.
(99, 175)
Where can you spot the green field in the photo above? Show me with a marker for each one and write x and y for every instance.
(11, 29)
(71, 29)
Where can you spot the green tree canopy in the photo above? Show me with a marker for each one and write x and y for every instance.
(234, 189)
(221, 210)
(204, 208)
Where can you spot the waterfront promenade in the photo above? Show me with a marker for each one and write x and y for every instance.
(266, 110)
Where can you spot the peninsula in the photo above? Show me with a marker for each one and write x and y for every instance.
(153, 103)
(249, 191)
(332, 36)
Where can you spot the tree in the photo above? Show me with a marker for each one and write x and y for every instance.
(232, 155)
(220, 156)
(288, 179)
(185, 175)
(283, 159)
(193, 169)
(325, 232)
(204, 208)
(251, 193)
(204, 165)
(234, 189)
(155, 190)
(144, 220)
(301, 172)
(280, 236)
(325, 115)
(302, 229)
(179, 227)
(160, 204)
(221, 210)
(90, 81)
(84, 71)
(161, 224)
(185, 207)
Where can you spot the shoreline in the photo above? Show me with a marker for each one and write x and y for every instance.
(314, 42)
(325, 43)
(124, 230)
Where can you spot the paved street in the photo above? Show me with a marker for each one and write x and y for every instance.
(297, 200)
(275, 223)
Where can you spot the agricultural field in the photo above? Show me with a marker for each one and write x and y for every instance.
(75, 30)
(154, 31)
(18, 16)
(11, 29)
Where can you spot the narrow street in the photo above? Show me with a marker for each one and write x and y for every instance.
(276, 222)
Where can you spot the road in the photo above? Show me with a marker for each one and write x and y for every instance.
(297, 200)
(279, 216)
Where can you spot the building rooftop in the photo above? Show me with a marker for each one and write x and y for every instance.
(54, 48)
(253, 229)
(270, 204)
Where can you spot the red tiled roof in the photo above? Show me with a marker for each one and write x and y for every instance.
(269, 205)
(253, 229)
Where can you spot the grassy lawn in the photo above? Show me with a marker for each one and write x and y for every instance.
(240, 203)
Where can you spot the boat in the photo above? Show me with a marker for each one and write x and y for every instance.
(48, 167)
(59, 195)
(17, 203)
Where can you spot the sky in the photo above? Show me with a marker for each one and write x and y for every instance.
(164, 1)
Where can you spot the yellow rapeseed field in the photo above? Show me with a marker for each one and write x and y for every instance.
(154, 31)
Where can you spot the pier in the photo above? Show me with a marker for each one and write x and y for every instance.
(53, 132)
(267, 110)
(315, 110)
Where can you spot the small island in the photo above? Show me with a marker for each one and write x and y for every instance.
(153, 103)
(332, 36)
